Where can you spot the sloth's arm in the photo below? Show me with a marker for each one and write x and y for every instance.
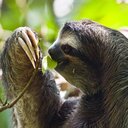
(40, 106)
(19, 58)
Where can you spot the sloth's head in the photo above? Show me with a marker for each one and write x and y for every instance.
(79, 52)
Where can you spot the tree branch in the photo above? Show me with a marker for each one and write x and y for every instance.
(13, 102)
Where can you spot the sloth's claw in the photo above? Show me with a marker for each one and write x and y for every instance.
(34, 41)
(29, 44)
(28, 41)
(26, 50)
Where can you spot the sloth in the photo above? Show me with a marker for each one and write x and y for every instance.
(90, 56)
(41, 105)
(94, 58)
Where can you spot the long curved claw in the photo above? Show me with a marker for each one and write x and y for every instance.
(27, 51)
(34, 41)
(28, 41)
(29, 44)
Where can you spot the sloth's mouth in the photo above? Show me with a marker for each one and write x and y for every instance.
(61, 64)
(61, 60)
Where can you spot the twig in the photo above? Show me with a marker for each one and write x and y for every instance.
(13, 102)
(1, 102)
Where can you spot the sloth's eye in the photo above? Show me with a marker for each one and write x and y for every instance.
(66, 49)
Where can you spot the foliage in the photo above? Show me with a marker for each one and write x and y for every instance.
(48, 63)
(5, 119)
(42, 18)
(108, 12)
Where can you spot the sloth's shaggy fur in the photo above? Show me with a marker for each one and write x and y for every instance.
(91, 57)
(95, 59)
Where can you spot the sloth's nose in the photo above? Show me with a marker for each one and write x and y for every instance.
(52, 51)
(55, 52)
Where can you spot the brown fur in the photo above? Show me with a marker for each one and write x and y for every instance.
(95, 60)
(41, 103)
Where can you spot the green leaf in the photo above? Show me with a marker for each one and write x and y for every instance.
(48, 63)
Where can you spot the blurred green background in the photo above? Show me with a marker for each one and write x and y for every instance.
(47, 16)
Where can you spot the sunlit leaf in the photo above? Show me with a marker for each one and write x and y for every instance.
(48, 63)
(107, 12)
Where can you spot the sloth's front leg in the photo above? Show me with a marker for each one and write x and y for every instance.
(29, 42)
(41, 101)
(19, 57)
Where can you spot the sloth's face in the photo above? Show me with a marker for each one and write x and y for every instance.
(63, 52)
(85, 51)
(68, 52)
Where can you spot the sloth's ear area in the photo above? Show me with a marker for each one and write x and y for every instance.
(67, 27)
